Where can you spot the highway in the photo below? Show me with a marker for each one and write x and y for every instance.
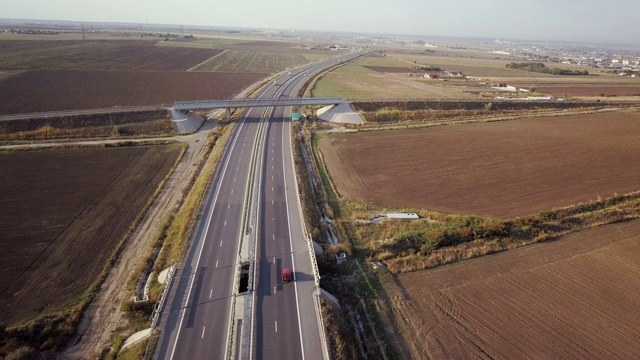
(195, 320)
(280, 331)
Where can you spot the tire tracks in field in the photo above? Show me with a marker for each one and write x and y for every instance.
(107, 243)
(29, 285)
(202, 64)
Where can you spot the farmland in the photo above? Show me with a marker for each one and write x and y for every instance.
(257, 46)
(70, 210)
(139, 55)
(35, 91)
(475, 64)
(74, 208)
(245, 61)
(571, 298)
(601, 82)
(376, 77)
(108, 73)
(586, 89)
(490, 169)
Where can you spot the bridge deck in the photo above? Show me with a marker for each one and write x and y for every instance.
(282, 101)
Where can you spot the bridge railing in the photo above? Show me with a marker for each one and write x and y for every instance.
(282, 101)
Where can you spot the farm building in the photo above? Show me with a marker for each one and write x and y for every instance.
(432, 75)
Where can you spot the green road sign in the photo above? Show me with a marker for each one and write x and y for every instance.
(295, 116)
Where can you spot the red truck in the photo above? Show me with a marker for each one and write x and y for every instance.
(287, 275)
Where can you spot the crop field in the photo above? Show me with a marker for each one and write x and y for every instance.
(98, 55)
(244, 61)
(70, 209)
(268, 43)
(380, 77)
(376, 77)
(270, 46)
(476, 65)
(501, 169)
(574, 298)
(35, 91)
(391, 69)
(485, 65)
(600, 82)
(619, 89)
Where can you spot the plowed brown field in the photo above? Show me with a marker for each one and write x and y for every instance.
(64, 212)
(53, 90)
(575, 298)
(98, 55)
(502, 169)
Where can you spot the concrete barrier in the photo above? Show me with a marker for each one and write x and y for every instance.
(136, 338)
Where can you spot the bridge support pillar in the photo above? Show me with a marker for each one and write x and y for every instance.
(228, 114)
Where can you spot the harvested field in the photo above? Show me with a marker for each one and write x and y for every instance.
(271, 46)
(241, 61)
(593, 89)
(574, 298)
(70, 209)
(502, 169)
(600, 82)
(360, 80)
(476, 65)
(390, 69)
(98, 55)
(36, 91)
(268, 43)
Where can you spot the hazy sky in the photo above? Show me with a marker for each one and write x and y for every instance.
(607, 21)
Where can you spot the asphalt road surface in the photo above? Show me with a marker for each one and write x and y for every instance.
(194, 321)
(280, 330)
(195, 318)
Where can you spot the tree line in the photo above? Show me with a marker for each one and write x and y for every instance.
(542, 68)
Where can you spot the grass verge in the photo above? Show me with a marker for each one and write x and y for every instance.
(177, 234)
(354, 330)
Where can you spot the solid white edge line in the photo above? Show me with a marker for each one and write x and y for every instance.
(255, 247)
(247, 196)
(293, 263)
(204, 239)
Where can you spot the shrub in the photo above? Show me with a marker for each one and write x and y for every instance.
(546, 215)
(22, 353)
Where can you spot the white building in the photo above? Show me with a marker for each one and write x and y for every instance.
(409, 216)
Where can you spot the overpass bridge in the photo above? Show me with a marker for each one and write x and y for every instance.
(242, 103)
